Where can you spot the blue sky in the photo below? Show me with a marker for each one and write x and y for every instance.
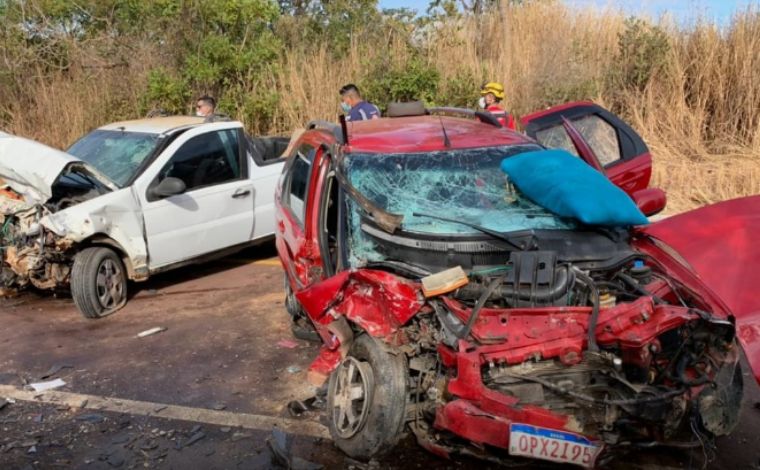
(682, 10)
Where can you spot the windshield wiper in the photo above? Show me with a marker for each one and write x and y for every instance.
(493, 233)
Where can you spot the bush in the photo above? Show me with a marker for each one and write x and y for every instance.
(412, 81)
(643, 50)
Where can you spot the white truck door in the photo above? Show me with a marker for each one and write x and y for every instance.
(216, 209)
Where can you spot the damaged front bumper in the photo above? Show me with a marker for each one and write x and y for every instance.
(30, 254)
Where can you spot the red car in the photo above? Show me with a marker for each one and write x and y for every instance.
(548, 339)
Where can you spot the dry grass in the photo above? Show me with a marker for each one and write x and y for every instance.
(700, 114)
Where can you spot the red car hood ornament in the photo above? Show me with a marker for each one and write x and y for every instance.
(721, 244)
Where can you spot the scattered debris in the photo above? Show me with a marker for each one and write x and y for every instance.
(194, 438)
(159, 409)
(239, 436)
(54, 370)
(287, 343)
(151, 331)
(297, 408)
(218, 406)
(293, 369)
(32, 450)
(149, 444)
(92, 418)
(83, 403)
(49, 385)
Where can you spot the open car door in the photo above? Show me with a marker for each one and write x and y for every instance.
(615, 148)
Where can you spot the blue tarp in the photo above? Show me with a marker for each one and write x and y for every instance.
(568, 187)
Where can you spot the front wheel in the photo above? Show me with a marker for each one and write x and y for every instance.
(98, 282)
(366, 400)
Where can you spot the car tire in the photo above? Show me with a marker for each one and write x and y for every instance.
(98, 282)
(301, 326)
(371, 424)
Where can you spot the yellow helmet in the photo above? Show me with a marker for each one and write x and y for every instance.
(495, 88)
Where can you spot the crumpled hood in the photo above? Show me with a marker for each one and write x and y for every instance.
(721, 243)
(31, 168)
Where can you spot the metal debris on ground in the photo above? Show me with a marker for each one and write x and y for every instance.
(151, 331)
(293, 369)
(49, 385)
(54, 370)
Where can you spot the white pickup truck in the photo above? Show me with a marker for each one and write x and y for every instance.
(128, 200)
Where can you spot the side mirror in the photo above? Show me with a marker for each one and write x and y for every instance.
(650, 201)
(169, 186)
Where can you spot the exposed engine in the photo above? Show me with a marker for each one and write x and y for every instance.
(29, 253)
(658, 368)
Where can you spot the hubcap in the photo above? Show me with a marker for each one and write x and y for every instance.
(109, 284)
(351, 396)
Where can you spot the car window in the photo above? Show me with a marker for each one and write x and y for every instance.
(205, 160)
(298, 181)
(598, 133)
(116, 154)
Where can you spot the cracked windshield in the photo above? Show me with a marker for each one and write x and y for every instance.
(465, 185)
(116, 154)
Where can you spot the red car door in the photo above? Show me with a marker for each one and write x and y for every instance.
(298, 253)
(620, 151)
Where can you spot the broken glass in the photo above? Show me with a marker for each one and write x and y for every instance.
(116, 154)
(462, 184)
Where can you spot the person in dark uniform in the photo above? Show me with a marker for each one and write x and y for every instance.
(354, 106)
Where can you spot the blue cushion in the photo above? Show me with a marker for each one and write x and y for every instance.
(568, 187)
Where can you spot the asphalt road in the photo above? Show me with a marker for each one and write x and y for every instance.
(221, 373)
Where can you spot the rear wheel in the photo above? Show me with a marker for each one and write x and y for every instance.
(98, 282)
(366, 400)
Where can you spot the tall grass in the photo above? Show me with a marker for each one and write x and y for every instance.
(699, 111)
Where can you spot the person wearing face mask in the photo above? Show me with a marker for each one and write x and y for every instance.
(205, 106)
(491, 95)
(354, 106)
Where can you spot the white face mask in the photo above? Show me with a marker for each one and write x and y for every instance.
(199, 114)
(482, 102)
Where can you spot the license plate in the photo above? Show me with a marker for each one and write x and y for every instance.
(548, 444)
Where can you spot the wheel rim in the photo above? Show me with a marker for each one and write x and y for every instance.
(351, 396)
(109, 284)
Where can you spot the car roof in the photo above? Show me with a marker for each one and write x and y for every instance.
(426, 133)
(156, 125)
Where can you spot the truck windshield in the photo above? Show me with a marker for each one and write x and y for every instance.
(116, 154)
(466, 185)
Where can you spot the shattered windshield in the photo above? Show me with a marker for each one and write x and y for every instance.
(116, 154)
(466, 185)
